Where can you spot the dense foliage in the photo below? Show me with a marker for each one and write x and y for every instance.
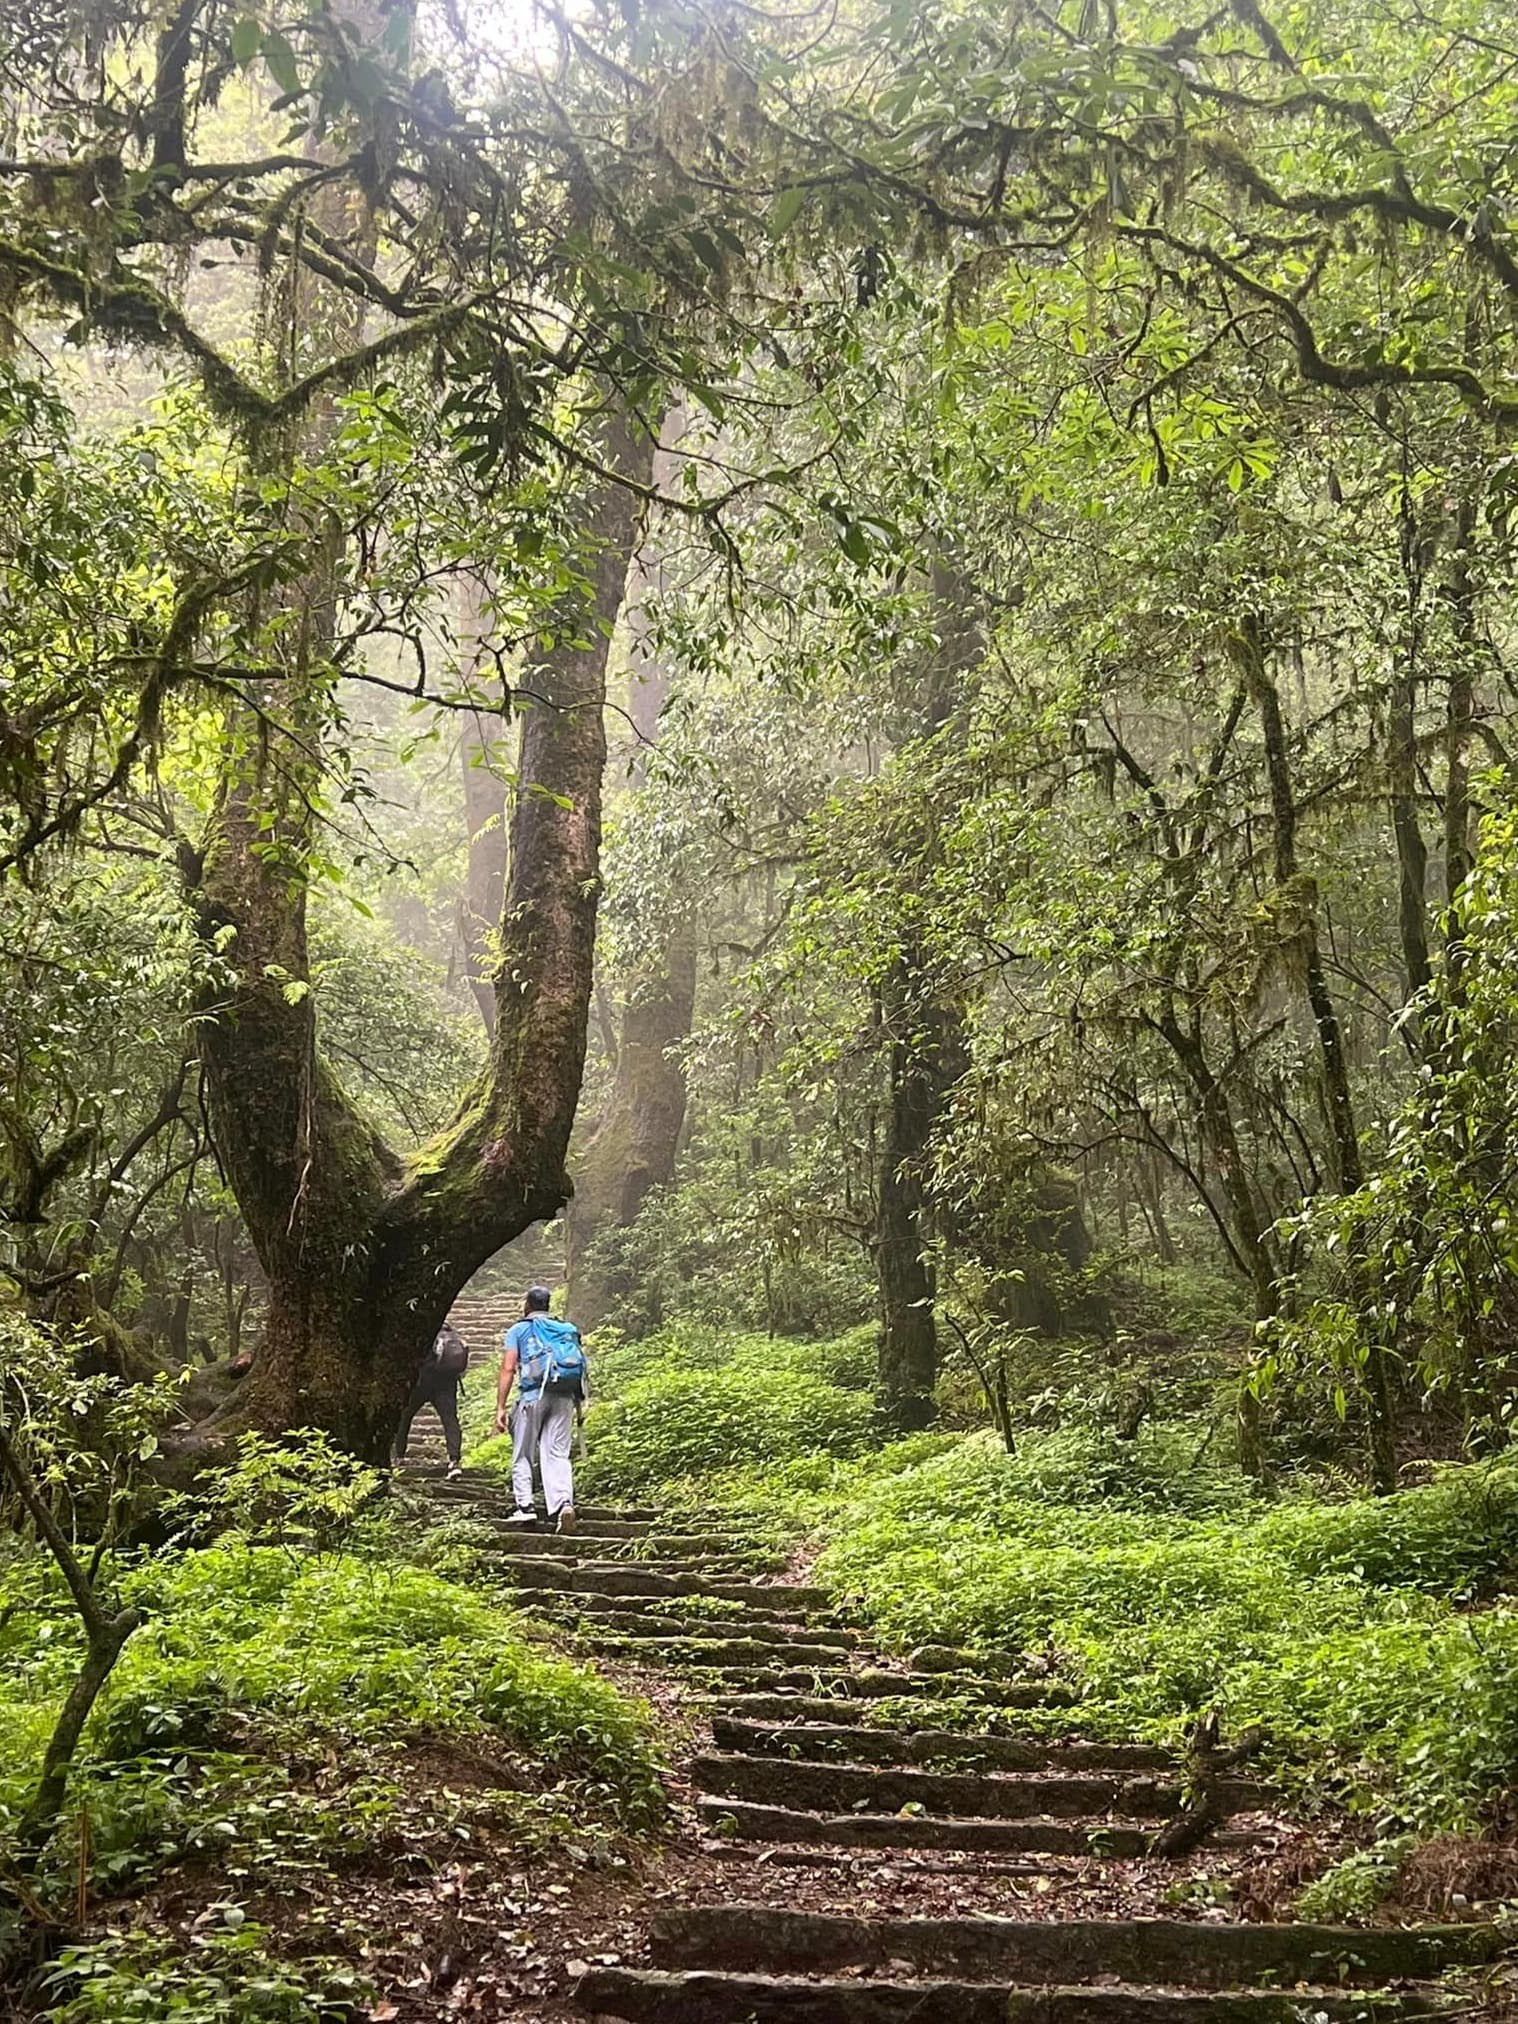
(1372, 1640)
(871, 652)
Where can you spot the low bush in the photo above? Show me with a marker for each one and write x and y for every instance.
(256, 1647)
(135, 1978)
(1340, 1628)
(690, 1402)
(688, 1423)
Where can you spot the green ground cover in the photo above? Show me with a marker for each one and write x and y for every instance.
(287, 1715)
(1373, 1639)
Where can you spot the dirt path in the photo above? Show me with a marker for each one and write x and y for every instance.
(846, 1857)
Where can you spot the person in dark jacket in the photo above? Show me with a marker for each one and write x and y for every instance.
(437, 1385)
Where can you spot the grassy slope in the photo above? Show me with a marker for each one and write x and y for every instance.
(288, 1719)
(1372, 1638)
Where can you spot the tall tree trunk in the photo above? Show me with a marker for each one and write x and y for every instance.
(364, 1252)
(925, 1037)
(481, 737)
(1343, 1134)
(907, 1368)
(1402, 770)
(632, 1150)
(1412, 851)
(634, 1145)
(1461, 706)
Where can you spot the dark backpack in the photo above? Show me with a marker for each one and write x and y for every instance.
(451, 1351)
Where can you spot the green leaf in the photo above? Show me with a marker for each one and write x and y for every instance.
(855, 543)
(280, 58)
(247, 38)
(784, 213)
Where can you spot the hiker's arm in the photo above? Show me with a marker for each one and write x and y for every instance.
(503, 1388)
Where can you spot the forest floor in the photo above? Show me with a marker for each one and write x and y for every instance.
(842, 1821)
(797, 1852)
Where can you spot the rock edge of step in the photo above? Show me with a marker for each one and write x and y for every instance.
(701, 1997)
(1187, 1953)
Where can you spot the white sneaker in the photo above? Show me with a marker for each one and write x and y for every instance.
(520, 1517)
(567, 1519)
(455, 1470)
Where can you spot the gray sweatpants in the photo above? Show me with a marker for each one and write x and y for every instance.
(543, 1432)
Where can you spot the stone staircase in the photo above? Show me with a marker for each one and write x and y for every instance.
(487, 1308)
(799, 1776)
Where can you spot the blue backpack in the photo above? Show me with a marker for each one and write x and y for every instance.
(557, 1364)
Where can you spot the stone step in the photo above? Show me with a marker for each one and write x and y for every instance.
(744, 1820)
(644, 1996)
(969, 1868)
(855, 1709)
(759, 1630)
(649, 1551)
(491, 1493)
(657, 1608)
(856, 1744)
(1184, 1953)
(744, 1683)
(709, 1651)
(588, 1527)
(991, 1795)
(632, 1580)
(612, 1536)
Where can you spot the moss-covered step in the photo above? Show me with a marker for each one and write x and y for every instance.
(1184, 1953)
(478, 1486)
(595, 1553)
(728, 1619)
(534, 1571)
(937, 1748)
(746, 1820)
(645, 1996)
(708, 1650)
(591, 1540)
(934, 1695)
(752, 1630)
(995, 1795)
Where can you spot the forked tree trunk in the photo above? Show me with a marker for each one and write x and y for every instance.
(1248, 1229)
(364, 1252)
(1302, 896)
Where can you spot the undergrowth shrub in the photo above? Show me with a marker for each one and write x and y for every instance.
(687, 1423)
(690, 1402)
(363, 1649)
(229, 1978)
(1162, 1591)
(258, 1647)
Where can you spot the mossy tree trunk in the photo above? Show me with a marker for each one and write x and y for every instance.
(924, 1026)
(633, 1147)
(481, 758)
(364, 1251)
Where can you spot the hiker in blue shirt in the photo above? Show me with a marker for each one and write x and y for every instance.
(546, 1360)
